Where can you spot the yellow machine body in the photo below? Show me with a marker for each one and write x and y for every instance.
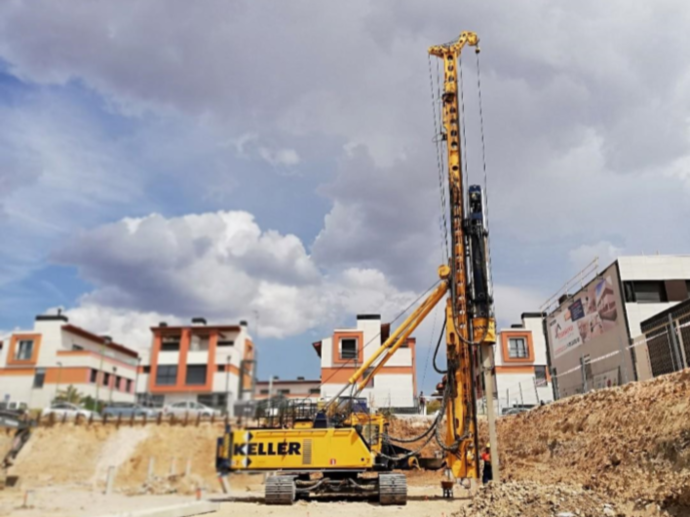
(300, 449)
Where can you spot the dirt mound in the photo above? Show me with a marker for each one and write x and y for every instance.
(631, 443)
(537, 500)
(66, 454)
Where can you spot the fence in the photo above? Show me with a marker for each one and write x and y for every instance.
(662, 349)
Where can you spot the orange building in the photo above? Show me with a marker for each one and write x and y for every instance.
(210, 364)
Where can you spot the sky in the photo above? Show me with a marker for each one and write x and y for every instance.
(276, 162)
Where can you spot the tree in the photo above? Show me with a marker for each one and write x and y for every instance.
(69, 394)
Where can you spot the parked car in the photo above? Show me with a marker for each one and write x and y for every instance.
(127, 410)
(180, 409)
(62, 409)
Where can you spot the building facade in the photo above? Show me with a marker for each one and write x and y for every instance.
(521, 364)
(35, 365)
(592, 332)
(341, 354)
(210, 364)
(299, 388)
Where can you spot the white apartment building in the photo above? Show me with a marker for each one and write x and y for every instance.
(299, 388)
(394, 386)
(36, 364)
(521, 360)
(210, 364)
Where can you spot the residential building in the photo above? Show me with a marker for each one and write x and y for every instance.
(395, 384)
(210, 364)
(592, 327)
(299, 388)
(36, 364)
(521, 360)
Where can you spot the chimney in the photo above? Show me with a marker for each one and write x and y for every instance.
(300, 378)
(199, 321)
(243, 323)
(368, 317)
(107, 339)
(162, 324)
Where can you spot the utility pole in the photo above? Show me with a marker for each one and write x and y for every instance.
(136, 380)
(487, 363)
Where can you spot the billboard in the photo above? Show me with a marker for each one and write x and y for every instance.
(589, 314)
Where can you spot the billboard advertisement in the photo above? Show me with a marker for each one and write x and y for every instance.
(589, 314)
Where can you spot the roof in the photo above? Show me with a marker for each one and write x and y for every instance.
(221, 328)
(291, 381)
(99, 339)
(317, 347)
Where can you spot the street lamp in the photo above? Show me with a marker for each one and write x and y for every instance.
(57, 385)
(112, 383)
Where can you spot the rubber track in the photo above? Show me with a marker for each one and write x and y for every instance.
(392, 489)
(280, 490)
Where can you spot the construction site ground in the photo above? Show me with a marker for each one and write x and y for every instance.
(615, 452)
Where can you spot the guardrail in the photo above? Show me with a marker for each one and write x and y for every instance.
(131, 421)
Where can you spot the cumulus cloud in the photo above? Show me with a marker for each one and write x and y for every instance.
(586, 134)
(220, 265)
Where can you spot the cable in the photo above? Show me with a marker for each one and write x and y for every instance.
(428, 352)
(438, 345)
(486, 181)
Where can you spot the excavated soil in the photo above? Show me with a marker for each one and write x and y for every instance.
(619, 451)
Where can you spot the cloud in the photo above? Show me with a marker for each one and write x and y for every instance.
(512, 301)
(222, 266)
(586, 253)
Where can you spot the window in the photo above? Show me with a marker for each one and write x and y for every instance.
(118, 382)
(170, 343)
(39, 378)
(180, 405)
(147, 369)
(645, 291)
(25, 350)
(264, 392)
(220, 368)
(196, 374)
(76, 348)
(93, 376)
(517, 348)
(315, 391)
(106, 379)
(348, 348)
(540, 375)
(128, 385)
(226, 342)
(284, 392)
(166, 375)
(370, 384)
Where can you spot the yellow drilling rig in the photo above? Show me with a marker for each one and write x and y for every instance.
(340, 449)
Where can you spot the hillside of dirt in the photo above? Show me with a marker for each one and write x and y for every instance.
(629, 444)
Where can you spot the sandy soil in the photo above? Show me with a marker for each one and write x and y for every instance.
(615, 452)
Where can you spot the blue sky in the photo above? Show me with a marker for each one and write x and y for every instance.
(164, 160)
